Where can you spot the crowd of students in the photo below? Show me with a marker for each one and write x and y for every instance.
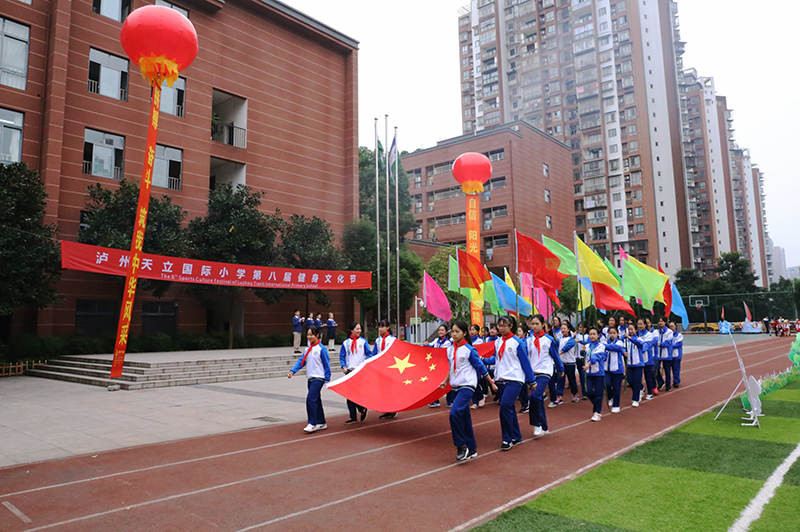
(533, 363)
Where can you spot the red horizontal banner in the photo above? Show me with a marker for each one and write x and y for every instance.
(96, 259)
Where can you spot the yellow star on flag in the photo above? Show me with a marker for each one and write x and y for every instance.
(423, 379)
(433, 367)
(407, 382)
(428, 356)
(402, 365)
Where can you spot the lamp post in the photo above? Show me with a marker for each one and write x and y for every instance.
(416, 318)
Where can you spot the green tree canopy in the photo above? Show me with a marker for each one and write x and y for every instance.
(110, 219)
(735, 273)
(30, 260)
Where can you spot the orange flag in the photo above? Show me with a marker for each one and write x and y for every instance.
(471, 273)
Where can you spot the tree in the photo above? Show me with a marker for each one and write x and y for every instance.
(30, 260)
(110, 219)
(568, 295)
(366, 192)
(735, 273)
(358, 243)
(439, 268)
(235, 231)
(308, 244)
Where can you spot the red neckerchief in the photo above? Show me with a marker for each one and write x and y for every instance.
(503, 346)
(353, 344)
(455, 354)
(384, 341)
(536, 342)
(310, 347)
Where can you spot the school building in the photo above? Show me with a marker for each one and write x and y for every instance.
(271, 102)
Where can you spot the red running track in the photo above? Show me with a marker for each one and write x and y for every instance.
(382, 475)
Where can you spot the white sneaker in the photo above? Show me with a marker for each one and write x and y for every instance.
(610, 402)
(635, 404)
(323, 426)
(641, 395)
(648, 396)
(596, 417)
(615, 410)
(310, 428)
(473, 407)
(538, 432)
(481, 402)
(552, 405)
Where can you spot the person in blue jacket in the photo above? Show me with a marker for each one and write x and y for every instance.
(545, 363)
(491, 338)
(465, 370)
(318, 372)
(650, 361)
(581, 339)
(442, 341)
(297, 330)
(595, 371)
(331, 325)
(637, 351)
(355, 350)
(615, 368)
(664, 355)
(568, 351)
(677, 354)
(513, 371)
(482, 391)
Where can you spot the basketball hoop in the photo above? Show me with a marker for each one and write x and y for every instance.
(698, 305)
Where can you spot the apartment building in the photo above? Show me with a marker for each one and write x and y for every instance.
(530, 189)
(600, 76)
(270, 101)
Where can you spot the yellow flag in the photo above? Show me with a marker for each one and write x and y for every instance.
(592, 266)
(509, 280)
(585, 299)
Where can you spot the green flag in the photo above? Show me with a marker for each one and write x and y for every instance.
(381, 158)
(490, 296)
(568, 265)
(641, 284)
(612, 269)
(452, 279)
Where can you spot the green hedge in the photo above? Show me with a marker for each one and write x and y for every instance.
(32, 347)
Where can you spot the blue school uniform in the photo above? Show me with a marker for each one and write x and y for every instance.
(595, 375)
(569, 352)
(513, 370)
(465, 369)
(318, 372)
(544, 360)
(442, 343)
(677, 357)
(638, 353)
(297, 324)
(665, 357)
(352, 354)
(382, 343)
(331, 325)
(615, 370)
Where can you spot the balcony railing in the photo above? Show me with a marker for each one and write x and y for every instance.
(174, 183)
(229, 134)
(118, 174)
(94, 87)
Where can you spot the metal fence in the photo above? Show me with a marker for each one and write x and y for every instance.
(761, 304)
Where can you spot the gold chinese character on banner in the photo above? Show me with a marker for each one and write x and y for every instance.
(472, 215)
(472, 236)
(142, 217)
(132, 287)
(123, 335)
(472, 203)
(155, 117)
(472, 247)
(126, 313)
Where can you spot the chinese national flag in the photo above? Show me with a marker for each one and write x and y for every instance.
(404, 377)
(471, 273)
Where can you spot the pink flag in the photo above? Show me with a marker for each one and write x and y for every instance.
(622, 254)
(542, 302)
(435, 300)
(527, 286)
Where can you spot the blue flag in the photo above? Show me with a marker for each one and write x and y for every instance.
(508, 298)
(678, 307)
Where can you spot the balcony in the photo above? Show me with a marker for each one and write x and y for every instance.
(229, 119)
(94, 87)
(228, 172)
(87, 169)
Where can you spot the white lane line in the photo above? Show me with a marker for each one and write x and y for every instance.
(211, 457)
(299, 468)
(16, 511)
(262, 447)
(753, 511)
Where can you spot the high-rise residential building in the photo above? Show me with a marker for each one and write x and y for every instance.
(779, 262)
(759, 233)
(530, 190)
(600, 76)
(271, 102)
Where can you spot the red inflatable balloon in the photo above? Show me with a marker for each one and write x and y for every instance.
(161, 41)
(472, 170)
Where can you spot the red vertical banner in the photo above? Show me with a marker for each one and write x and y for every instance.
(140, 223)
(474, 246)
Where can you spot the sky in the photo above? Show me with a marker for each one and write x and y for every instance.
(409, 69)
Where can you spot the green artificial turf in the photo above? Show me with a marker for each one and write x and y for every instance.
(639, 496)
(784, 394)
(792, 477)
(782, 513)
(526, 519)
(772, 408)
(794, 385)
(776, 429)
(712, 454)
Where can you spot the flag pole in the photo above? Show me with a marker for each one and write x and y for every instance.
(578, 269)
(378, 218)
(388, 236)
(397, 222)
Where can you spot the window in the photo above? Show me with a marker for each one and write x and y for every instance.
(170, 5)
(639, 229)
(638, 211)
(108, 75)
(103, 154)
(10, 136)
(172, 98)
(617, 196)
(158, 317)
(546, 196)
(620, 229)
(167, 167)
(548, 221)
(116, 9)
(95, 317)
(14, 40)
(617, 213)
(545, 170)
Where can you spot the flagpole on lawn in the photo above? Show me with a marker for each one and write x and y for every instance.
(397, 223)
(388, 236)
(378, 218)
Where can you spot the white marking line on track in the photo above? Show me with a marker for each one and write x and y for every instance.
(210, 457)
(753, 511)
(16, 511)
(262, 447)
(276, 473)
